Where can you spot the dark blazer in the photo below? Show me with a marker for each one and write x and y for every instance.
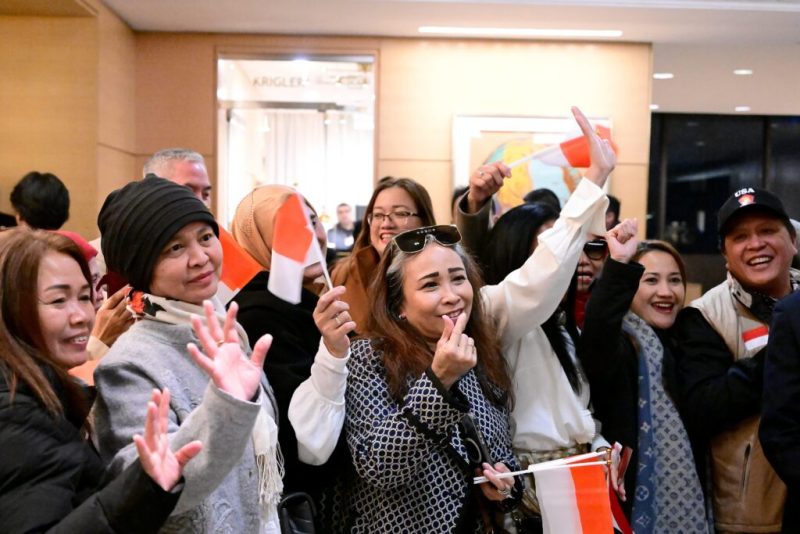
(780, 420)
(51, 478)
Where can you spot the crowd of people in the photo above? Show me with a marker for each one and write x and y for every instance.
(132, 399)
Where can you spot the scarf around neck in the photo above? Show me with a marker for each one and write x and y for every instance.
(668, 495)
(267, 451)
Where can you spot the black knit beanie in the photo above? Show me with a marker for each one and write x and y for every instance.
(137, 221)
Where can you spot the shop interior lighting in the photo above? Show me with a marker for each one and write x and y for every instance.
(663, 75)
(464, 31)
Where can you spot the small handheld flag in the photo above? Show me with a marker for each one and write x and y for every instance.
(571, 153)
(294, 247)
(573, 494)
(238, 267)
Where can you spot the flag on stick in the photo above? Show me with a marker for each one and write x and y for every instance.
(571, 153)
(573, 495)
(574, 499)
(294, 247)
(238, 267)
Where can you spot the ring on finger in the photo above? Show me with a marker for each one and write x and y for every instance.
(220, 342)
(506, 492)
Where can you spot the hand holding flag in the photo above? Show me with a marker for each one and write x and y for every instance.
(498, 489)
(574, 152)
(334, 322)
(485, 182)
(602, 152)
(573, 495)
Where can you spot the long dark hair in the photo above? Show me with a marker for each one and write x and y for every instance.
(422, 204)
(23, 351)
(510, 244)
(406, 352)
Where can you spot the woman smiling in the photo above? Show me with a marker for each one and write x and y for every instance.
(628, 355)
(163, 241)
(426, 402)
(51, 477)
(397, 205)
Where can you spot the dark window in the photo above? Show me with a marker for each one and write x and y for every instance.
(697, 161)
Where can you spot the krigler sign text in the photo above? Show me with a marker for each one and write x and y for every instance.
(279, 81)
(347, 80)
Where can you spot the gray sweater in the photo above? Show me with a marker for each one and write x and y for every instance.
(221, 492)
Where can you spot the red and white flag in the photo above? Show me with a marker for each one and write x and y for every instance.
(570, 153)
(238, 267)
(756, 338)
(574, 499)
(294, 247)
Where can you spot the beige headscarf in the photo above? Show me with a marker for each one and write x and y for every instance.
(254, 222)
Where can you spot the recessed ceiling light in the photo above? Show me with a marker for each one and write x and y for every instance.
(742, 108)
(663, 75)
(518, 32)
(653, 107)
(743, 72)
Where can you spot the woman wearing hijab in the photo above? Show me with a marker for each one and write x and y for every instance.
(163, 241)
(295, 338)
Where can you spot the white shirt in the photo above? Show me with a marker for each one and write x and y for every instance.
(547, 412)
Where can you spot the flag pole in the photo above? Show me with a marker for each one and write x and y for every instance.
(537, 154)
(324, 264)
(574, 461)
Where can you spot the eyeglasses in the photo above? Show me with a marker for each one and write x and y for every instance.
(596, 249)
(398, 217)
(415, 240)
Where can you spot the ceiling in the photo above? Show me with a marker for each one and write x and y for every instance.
(656, 21)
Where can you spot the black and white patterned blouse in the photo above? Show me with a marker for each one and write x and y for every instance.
(408, 478)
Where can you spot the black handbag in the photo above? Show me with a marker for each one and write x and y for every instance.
(297, 514)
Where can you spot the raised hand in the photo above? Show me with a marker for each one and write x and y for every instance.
(113, 318)
(334, 321)
(455, 351)
(222, 357)
(600, 151)
(622, 241)
(496, 489)
(485, 182)
(158, 460)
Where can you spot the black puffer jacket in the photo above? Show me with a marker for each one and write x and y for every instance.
(50, 477)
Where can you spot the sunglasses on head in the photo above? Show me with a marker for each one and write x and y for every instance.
(596, 249)
(415, 240)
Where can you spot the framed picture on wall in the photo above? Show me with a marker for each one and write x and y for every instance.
(478, 140)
